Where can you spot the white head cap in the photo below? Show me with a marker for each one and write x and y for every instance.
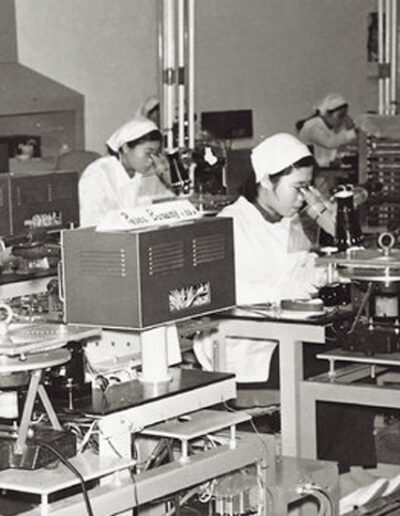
(132, 130)
(276, 153)
(147, 107)
(331, 102)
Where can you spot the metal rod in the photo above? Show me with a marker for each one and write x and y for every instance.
(49, 408)
(393, 62)
(387, 55)
(181, 74)
(160, 45)
(169, 70)
(27, 412)
(380, 58)
(191, 77)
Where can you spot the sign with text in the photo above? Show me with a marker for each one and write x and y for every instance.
(160, 214)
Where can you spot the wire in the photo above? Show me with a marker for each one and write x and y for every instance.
(321, 495)
(256, 431)
(72, 468)
(361, 307)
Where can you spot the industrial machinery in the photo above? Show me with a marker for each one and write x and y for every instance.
(375, 282)
(379, 151)
(27, 350)
(151, 276)
(38, 199)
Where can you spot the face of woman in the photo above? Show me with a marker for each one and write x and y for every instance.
(140, 158)
(336, 118)
(285, 197)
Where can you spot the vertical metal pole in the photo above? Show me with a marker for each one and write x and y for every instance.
(393, 62)
(181, 74)
(191, 20)
(160, 45)
(169, 71)
(380, 58)
(387, 55)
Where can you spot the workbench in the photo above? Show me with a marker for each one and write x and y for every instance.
(290, 334)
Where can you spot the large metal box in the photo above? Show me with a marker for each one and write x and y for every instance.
(23, 196)
(144, 278)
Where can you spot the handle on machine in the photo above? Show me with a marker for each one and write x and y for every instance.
(60, 275)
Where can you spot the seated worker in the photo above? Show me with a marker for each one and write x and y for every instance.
(272, 252)
(273, 262)
(134, 173)
(327, 129)
(272, 259)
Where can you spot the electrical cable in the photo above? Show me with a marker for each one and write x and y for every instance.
(256, 431)
(321, 495)
(72, 468)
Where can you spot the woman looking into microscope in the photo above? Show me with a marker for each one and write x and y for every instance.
(273, 262)
(133, 173)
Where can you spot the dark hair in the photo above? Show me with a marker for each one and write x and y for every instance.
(250, 188)
(152, 136)
(331, 111)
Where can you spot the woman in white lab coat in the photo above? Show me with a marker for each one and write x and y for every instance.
(272, 262)
(133, 174)
(328, 129)
(272, 252)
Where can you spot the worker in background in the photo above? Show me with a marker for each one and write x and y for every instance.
(327, 129)
(150, 109)
(273, 262)
(134, 173)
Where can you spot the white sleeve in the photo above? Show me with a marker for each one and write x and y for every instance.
(329, 139)
(92, 199)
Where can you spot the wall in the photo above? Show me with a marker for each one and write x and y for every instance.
(279, 56)
(273, 56)
(105, 49)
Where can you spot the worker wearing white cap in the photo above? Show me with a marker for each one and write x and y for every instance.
(271, 261)
(272, 256)
(329, 128)
(131, 175)
(270, 266)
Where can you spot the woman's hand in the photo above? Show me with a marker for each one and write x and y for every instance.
(348, 123)
(161, 168)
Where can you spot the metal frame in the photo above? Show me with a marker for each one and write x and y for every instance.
(291, 336)
(341, 389)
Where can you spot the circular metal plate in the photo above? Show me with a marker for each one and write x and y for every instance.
(33, 361)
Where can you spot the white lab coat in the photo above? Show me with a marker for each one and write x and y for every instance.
(325, 141)
(272, 262)
(105, 185)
